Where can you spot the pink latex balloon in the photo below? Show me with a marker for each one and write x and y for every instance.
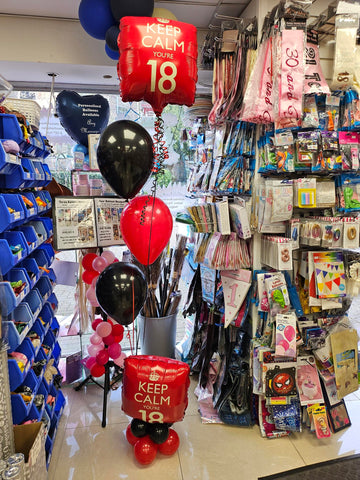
(90, 362)
(90, 294)
(284, 344)
(114, 350)
(120, 360)
(109, 256)
(104, 329)
(102, 357)
(99, 264)
(95, 339)
(93, 283)
(94, 303)
(94, 349)
(289, 333)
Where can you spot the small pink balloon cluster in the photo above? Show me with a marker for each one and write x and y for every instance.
(93, 265)
(105, 346)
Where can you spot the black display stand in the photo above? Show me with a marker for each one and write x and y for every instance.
(107, 385)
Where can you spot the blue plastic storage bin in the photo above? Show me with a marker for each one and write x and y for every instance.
(38, 328)
(40, 356)
(45, 195)
(18, 178)
(35, 302)
(56, 353)
(16, 376)
(9, 300)
(40, 229)
(8, 162)
(8, 259)
(45, 288)
(53, 302)
(20, 409)
(30, 235)
(60, 404)
(39, 173)
(41, 259)
(51, 274)
(48, 450)
(32, 269)
(55, 327)
(49, 252)
(11, 201)
(47, 224)
(32, 210)
(46, 315)
(10, 128)
(48, 343)
(21, 314)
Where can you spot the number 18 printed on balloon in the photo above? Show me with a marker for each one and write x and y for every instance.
(157, 61)
(155, 388)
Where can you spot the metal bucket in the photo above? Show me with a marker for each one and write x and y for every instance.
(158, 335)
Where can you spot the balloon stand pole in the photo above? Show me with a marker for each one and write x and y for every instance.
(106, 391)
(106, 387)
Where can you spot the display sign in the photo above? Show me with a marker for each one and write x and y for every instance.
(87, 222)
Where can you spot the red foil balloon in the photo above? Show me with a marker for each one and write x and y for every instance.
(155, 388)
(146, 225)
(157, 61)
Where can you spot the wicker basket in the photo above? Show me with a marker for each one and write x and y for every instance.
(29, 108)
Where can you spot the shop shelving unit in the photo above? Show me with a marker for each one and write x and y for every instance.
(26, 257)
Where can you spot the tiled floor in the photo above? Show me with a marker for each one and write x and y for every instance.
(85, 450)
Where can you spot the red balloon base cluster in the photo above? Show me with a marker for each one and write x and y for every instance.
(149, 439)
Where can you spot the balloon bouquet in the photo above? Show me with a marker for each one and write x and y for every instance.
(120, 290)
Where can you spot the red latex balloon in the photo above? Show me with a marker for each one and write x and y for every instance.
(102, 357)
(157, 61)
(96, 322)
(109, 340)
(146, 225)
(97, 370)
(88, 260)
(89, 275)
(117, 330)
(130, 437)
(145, 450)
(170, 445)
(157, 386)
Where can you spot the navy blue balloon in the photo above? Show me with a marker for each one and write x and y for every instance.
(131, 8)
(96, 17)
(111, 53)
(111, 37)
(81, 115)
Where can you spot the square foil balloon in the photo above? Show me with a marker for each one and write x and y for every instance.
(155, 388)
(157, 61)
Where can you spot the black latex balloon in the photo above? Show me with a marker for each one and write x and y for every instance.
(158, 432)
(111, 36)
(125, 157)
(121, 291)
(138, 427)
(131, 8)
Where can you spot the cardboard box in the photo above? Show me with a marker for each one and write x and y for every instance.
(30, 440)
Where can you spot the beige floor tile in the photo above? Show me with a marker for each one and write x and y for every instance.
(216, 452)
(345, 442)
(87, 405)
(95, 453)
